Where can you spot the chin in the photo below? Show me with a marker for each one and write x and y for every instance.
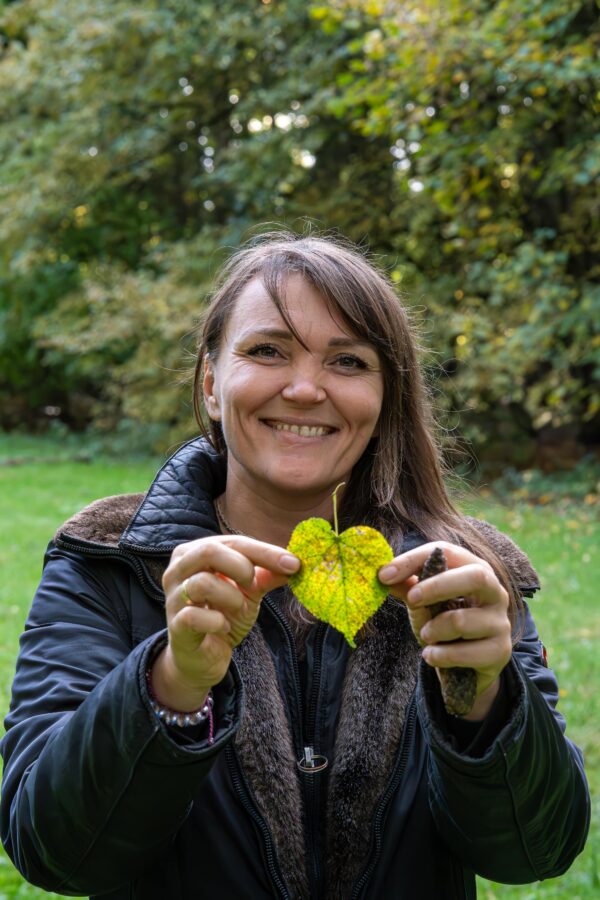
(304, 483)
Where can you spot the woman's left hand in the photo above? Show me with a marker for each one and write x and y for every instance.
(477, 636)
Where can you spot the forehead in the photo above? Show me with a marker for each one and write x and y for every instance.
(305, 307)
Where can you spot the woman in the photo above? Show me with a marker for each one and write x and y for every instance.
(181, 728)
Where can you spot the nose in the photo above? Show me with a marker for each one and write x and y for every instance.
(304, 385)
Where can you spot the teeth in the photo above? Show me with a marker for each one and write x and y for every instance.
(304, 430)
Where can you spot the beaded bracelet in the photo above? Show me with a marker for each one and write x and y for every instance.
(182, 719)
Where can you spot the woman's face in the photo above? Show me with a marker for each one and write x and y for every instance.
(295, 419)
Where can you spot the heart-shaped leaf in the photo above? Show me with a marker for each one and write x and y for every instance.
(337, 581)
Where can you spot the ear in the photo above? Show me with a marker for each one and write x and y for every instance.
(208, 388)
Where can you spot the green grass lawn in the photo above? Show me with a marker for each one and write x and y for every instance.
(563, 542)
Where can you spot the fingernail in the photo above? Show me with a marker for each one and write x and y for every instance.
(289, 563)
(414, 595)
(387, 574)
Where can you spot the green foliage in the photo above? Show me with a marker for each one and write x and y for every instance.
(491, 111)
(140, 142)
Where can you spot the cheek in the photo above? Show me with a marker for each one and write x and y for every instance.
(369, 408)
(240, 392)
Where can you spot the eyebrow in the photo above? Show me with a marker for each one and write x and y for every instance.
(285, 335)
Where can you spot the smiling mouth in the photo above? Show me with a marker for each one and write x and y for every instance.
(302, 430)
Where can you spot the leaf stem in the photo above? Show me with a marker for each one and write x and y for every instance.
(334, 498)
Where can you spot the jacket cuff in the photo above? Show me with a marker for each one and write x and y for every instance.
(457, 740)
(191, 742)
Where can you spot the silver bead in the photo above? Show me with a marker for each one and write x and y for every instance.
(183, 720)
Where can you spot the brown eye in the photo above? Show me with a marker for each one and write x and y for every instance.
(264, 351)
(348, 361)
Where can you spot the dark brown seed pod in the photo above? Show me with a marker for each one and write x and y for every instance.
(458, 684)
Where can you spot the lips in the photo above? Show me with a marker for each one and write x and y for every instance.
(304, 430)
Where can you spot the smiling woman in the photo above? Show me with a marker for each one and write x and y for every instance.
(180, 729)
(296, 406)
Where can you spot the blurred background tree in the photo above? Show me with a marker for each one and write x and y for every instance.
(140, 143)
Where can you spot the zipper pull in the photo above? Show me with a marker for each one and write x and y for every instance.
(312, 762)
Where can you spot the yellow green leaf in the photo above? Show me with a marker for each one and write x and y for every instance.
(337, 581)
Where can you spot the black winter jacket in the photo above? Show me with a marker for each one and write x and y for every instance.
(101, 798)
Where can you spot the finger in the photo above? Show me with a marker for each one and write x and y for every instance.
(481, 655)
(211, 556)
(232, 555)
(473, 580)
(189, 627)
(418, 619)
(268, 556)
(208, 588)
(411, 562)
(468, 624)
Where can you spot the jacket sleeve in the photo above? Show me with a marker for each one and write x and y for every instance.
(94, 785)
(520, 811)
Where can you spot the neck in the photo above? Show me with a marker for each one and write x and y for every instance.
(269, 518)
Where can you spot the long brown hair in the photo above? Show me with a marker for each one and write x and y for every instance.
(398, 484)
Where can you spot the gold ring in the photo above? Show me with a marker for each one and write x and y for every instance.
(184, 593)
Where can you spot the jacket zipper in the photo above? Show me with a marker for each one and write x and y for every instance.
(311, 783)
(89, 547)
(392, 786)
(241, 789)
(115, 553)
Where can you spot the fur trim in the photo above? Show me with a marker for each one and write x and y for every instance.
(380, 680)
(265, 749)
(511, 555)
(103, 521)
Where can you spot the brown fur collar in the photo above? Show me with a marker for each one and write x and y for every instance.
(103, 521)
(379, 681)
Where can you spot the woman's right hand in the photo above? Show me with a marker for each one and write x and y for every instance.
(225, 579)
